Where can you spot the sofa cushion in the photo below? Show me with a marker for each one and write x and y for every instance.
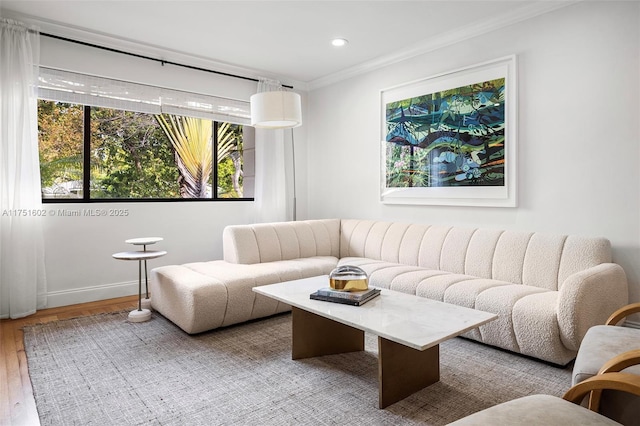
(501, 300)
(385, 277)
(202, 296)
(191, 300)
(430, 253)
(480, 252)
(239, 279)
(269, 242)
(368, 265)
(409, 281)
(535, 324)
(463, 290)
(535, 259)
(464, 293)
(435, 287)
(528, 320)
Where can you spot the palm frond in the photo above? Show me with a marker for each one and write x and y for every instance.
(227, 141)
(191, 140)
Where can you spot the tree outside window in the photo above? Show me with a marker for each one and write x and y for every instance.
(132, 155)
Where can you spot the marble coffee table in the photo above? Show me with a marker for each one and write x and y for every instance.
(409, 329)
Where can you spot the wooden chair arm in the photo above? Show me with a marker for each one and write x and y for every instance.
(622, 361)
(624, 382)
(614, 365)
(622, 313)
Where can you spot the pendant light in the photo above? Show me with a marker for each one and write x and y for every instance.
(276, 110)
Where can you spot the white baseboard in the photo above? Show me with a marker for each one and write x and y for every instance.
(92, 294)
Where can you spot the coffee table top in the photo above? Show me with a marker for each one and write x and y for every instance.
(413, 321)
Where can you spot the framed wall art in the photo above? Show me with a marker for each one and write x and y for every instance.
(450, 139)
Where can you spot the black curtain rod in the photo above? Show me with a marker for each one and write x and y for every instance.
(162, 61)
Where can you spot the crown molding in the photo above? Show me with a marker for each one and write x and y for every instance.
(444, 40)
(135, 47)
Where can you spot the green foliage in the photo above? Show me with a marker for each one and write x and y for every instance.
(191, 141)
(229, 160)
(227, 140)
(130, 157)
(60, 142)
(226, 171)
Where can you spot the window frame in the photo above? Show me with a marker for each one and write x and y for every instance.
(86, 172)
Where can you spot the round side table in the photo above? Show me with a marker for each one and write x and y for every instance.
(144, 242)
(140, 314)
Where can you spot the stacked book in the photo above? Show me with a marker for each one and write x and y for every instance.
(355, 298)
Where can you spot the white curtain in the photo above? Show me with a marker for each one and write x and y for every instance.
(22, 275)
(271, 188)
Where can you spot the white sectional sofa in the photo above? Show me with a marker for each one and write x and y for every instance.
(547, 289)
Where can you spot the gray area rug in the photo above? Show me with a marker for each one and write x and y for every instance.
(103, 370)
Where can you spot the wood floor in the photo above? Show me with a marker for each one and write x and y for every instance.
(17, 406)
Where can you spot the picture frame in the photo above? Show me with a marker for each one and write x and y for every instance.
(451, 139)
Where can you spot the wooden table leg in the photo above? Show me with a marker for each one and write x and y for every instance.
(314, 335)
(403, 371)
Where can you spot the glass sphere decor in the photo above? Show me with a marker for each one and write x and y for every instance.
(348, 278)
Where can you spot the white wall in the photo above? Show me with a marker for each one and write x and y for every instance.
(579, 133)
(79, 266)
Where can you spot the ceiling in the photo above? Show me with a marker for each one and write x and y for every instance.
(289, 40)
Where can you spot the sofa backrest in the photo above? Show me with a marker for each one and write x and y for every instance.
(531, 258)
(268, 242)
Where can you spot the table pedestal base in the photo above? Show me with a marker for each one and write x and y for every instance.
(139, 315)
(146, 303)
(402, 370)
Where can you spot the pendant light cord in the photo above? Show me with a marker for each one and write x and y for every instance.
(293, 156)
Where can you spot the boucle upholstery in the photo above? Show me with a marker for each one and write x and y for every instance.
(547, 289)
(535, 410)
(601, 344)
(206, 295)
(264, 242)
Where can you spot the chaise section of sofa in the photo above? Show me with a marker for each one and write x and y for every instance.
(206, 295)
(546, 289)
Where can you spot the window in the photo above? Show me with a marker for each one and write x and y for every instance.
(95, 152)
(60, 139)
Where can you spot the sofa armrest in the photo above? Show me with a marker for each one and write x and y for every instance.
(587, 298)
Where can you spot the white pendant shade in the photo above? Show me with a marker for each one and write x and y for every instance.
(276, 110)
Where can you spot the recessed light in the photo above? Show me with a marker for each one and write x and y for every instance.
(339, 42)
